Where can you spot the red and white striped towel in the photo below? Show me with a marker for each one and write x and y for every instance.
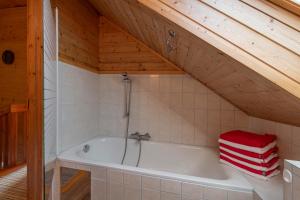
(247, 141)
(248, 154)
(272, 164)
(265, 175)
(251, 153)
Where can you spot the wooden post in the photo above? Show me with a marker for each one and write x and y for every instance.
(35, 98)
(25, 137)
(2, 140)
(12, 139)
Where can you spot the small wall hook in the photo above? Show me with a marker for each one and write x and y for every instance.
(172, 33)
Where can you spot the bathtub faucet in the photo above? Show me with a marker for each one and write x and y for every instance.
(139, 137)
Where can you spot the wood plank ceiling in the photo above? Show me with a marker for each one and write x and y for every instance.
(78, 34)
(90, 41)
(121, 52)
(245, 50)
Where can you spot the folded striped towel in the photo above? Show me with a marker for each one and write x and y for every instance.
(255, 157)
(247, 141)
(261, 174)
(251, 153)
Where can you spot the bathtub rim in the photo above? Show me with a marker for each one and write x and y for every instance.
(70, 156)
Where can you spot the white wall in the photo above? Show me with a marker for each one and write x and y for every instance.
(172, 108)
(50, 85)
(78, 105)
(179, 109)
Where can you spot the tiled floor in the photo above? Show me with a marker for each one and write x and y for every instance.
(13, 185)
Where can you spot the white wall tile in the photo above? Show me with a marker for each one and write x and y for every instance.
(99, 173)
(235, 195)
(78, 106)
(213, 102)
(192, 191)
(200, 101)
(241, 120)
(98, 190)
(115, 191)
(150, 183)
(188, 84)
(296, 136)
(188, 100)
(169, 196)
(296, 187)
(115, 176)
(171, 186)
(164, 84)
(214, 193)
(176, 84)
(150, 195)
(132, 180)
(132, 193)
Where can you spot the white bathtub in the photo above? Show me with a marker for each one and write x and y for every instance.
(184, 163)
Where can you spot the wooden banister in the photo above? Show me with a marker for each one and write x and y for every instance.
(10, 132)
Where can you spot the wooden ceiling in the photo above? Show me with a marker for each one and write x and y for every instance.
(121, 52)
(92, 42)
(254, 64)
(78, 33)
(12, 3)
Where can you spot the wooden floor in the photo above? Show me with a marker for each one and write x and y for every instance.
(13, 185)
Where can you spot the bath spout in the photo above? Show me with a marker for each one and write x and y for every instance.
(86, 148)
(139, 137)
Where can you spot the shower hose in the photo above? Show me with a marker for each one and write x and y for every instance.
(127, 103)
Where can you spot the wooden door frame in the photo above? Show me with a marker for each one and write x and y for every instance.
(35, 173)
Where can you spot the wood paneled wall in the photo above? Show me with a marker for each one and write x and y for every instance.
(78, 33)
(13, 37)
(90, 41)
(121, 52)
(12, 3)
(249, 73)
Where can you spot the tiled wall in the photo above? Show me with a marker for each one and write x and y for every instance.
(78, 106)
(50, 81)
(50, 97)
(172, 108)
(116, 184)
(179, 109)
(288, 136)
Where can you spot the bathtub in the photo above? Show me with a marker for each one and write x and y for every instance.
(177, 163)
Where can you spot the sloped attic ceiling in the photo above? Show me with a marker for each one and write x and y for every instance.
(249, 57)
(120, 52)
(92, 42)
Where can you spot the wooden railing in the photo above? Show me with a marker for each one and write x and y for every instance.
(13, 132)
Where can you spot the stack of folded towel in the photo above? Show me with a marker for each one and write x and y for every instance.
(251, 153)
